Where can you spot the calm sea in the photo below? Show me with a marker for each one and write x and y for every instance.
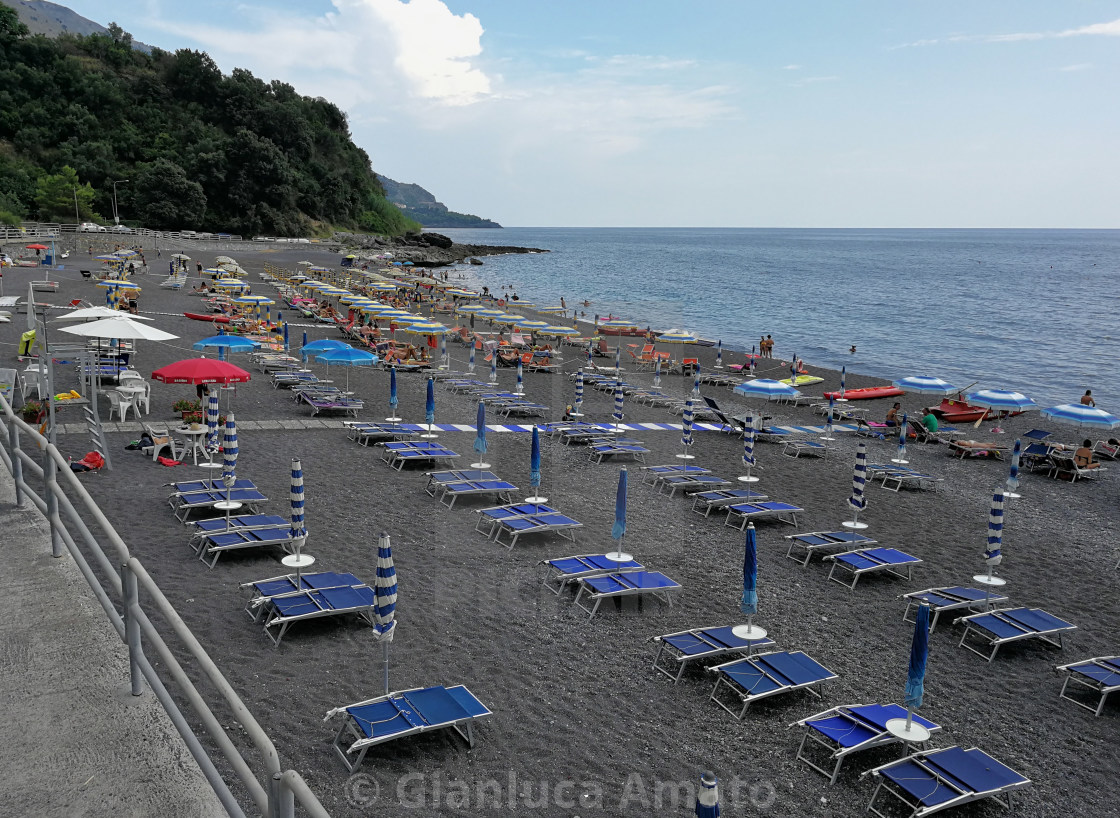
(1032, 310)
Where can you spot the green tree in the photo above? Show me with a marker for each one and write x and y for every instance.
(10, 25)
(166, 198)
(58, 194)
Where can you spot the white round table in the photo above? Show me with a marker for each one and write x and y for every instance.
(195, 440)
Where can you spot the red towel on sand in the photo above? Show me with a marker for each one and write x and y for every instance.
(167, 461)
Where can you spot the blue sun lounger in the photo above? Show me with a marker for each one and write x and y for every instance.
(214, 545)
(768, 674)
(953, 598)
(696, 644)
(564, 570)
(741, 513)
(299, 606)
(265, 589)
(704, 501)
(813, 542)
(1101, 675)
(405, 713)
(491, 516)
(249, 499)
(848, 729)
(932, 780)
(195, 486)
(243, 522)
(619, 584)
(521, 525)
(597, 451)
(999, 627)
(476, 488)
(418, 451)
(871, 560)
(688, 483)
(809, 448)
(367, 433)
(438, 479)
(654, 473)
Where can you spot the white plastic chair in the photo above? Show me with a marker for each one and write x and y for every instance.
(143, 400)
(119, 403)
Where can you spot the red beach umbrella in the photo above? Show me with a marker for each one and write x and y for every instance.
(37, 247)
(201, 370)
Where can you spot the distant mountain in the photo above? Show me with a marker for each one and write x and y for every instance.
(420, 205)
(51, 20)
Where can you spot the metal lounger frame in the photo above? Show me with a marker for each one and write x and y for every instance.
(1103, 690)
(913, 602)
(720, 502)
(748, 698)
(810, 550)
(997, 641)
(366, 612)
(661, 594)
(886, 567)
(565, 530)
(556, 581)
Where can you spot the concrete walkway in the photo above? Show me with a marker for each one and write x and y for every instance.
(73, 740)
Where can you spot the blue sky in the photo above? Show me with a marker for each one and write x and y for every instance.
(724, 113)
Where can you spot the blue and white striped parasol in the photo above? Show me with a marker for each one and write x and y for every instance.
(857, 501)
(494, 365)
(520, 390)
(828, 420)
(590, 361)
(618, 357)
(657, 373)
(443, 351)
(212, 415)
(577, 406)
(719, 354)
(1013, 474)
(925, 385)
(1001, 400)
(1084, 417)
(299, 520)
(902, 429)
(618, 401)
(766, 388)
(749, 433)
(229, 452)
(385, 596)
(687, 419)
(707, 797)
(993, 552)
(470, 360)
(696, 381)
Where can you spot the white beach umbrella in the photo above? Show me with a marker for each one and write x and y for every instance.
(121, 328)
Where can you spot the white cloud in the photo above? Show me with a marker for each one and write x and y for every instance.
(1109, 29)
(815, 80)
(1081, 66)
(791, 67)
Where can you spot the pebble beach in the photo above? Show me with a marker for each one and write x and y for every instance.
(582, 725)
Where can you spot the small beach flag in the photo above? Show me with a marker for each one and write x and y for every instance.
(618, 401)
(749, 602)
(299, 521)
(719, 354)
(707, 797)
(993, 553)
(577, 407)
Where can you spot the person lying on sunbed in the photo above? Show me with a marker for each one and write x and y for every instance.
(1083, 457)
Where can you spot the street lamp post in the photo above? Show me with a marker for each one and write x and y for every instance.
(77, 217)
(116, 217)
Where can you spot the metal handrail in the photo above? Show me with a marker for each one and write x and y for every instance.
(281, 790)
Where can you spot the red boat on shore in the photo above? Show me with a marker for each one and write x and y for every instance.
(215, 318)
(867, 393)
(955, 410)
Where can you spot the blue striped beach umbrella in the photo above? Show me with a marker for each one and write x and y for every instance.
(828, 419)
(470, 360)
(926, 385)
(1084, 417)
(480, 436)
(229, 454)
(749, 603)
(686, 429)
(707, 797)
(577, 406)
(520, 390)
(696, 381)
(590, 353)
(843, 376)
(1001, 400)
(793, 371)
(385, 597)
(749, 432)
(754, 365)
(618, 401)
(766, 388)
(430, 407)
(657, 373)
(494, 365)
(993, 553)
(299, 521)
(858, 502)
(902, 429)
(1013, 474)
(719, 354)
(212, 414)
(916, 672)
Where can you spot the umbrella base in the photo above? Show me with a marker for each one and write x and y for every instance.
(1011, 495)
(994, 582)
(480, 465)
(619, 556)
(575, 414)
(913, 732)
(394, 419)
(535, 500)
(854, 524)
(686, 456)
(826, 437)
(902, 461)
(840, 400)
(747, 478)
(751, 633)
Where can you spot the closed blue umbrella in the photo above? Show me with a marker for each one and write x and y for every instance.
(430, 407)
(993, 553)
(857, 501)
(393, 402)
(843, 376)
(657, 373)
(919, 653)
(535, 468)
(828, 420)
(793, 371)
(577, 406)
(618, 357)
(385, 597)
(618, 531)
(686, 429)
(1013, 475)
(707, 797)
(470, 360)
(719, 354)
(901, 456)
(520, 390)
(618, 401)
(590, 353)
(299, 521)
(304, 339)
(696, 381)
(287, 346)
(229, 453)
(480, 436)
(748, 451)
(749, 602)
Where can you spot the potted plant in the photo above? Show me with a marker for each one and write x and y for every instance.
(30, 411)
(192, 418)
(186, 407)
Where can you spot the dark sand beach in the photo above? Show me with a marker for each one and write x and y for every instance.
(582, 725)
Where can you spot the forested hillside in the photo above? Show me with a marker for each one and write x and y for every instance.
(198, 149)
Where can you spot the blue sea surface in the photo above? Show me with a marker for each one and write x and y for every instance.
(1033, 310)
